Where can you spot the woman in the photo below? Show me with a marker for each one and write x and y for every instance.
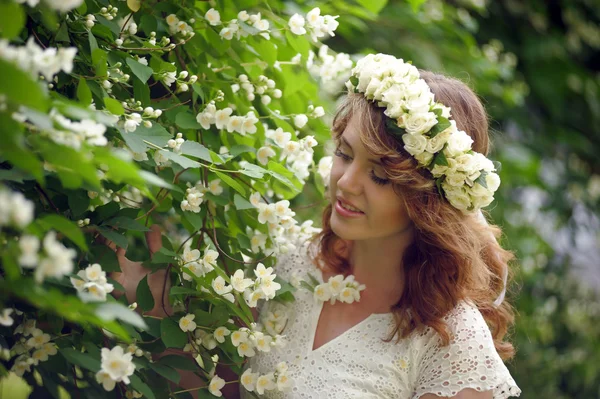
(434, 274)
(403, 221)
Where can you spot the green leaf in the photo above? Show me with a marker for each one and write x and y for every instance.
(99, 58)
(113, 236)
(180, 159)
(279, 172)
(113, 310)
(126, 223)
(83, 92)
(254, 171)
(141, 71)
(185, 120)
(144, 295)
(443, 124)
(481, 179)
(241, 203)
(183, 291)
(113, 106)
(65, 226)
(196, 149)
(171, 335)
(156, 134)
(264, 48)
(240, 149)
(440, 159)
(179, 362)
(141, 387)
(80, 359)
(231, 183)
(166, 371)
(374, 6)
(298, 43)
(20, 88)
(12, 19)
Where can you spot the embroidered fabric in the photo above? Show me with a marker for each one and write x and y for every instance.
(358, 364)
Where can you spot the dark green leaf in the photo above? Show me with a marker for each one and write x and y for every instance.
(241, 203)
(141, 71)
(12, 19)
(20, 88)
(196, 150)
(185, 120)
(126, 223)
(231, 183)
(442, 125)
(80, 359)
(113, 106)
(179, 362)
(171, 335)
(166, 371)
(113, 236)
(141, 387)
(144, 296)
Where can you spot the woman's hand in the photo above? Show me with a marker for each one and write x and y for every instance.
(133, 272)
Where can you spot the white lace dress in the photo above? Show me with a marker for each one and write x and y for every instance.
(358, 364)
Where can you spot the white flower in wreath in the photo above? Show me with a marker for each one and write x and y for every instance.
(436, 143)
(457, 196)
(418, 123)
(424, 158)
(414, 143)
(458, 143)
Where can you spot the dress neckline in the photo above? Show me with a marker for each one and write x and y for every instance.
(317, 315)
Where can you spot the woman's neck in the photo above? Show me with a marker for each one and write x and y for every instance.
(377, 263)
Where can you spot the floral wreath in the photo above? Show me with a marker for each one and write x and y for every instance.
(466, 178)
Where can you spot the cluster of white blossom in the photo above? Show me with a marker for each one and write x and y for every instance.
(114, 75)
(339, 288)
(194, 195)
(263, 287)
(58, 5)
(283, 229)
(57, 262)
(128, 196)
(132, 120)
(109, 12)
(183, 80)
(265, 87)
(260, 383)
(275, 318)
(468, 178)
(196, 263)
(127, 26)
(33, 350)
(116, 366)
(332, 71)
(89, 21)
(233, 27)
(318, 25)
(222, 119)
(298, 154)
(74, 133)
(177, 27)
(249, 340)
(92, 285)
(37, 61)
(15, 210)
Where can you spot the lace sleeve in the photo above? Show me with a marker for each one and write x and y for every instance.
(470, 360)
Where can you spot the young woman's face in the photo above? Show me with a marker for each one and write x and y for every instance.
(358, 180)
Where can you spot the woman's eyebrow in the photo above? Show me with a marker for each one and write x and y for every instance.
(375, 161)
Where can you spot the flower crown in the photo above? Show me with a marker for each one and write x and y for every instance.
(466, 178)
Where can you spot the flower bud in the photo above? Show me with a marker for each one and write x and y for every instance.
(119, 42)
(266, 100)
(277, 93)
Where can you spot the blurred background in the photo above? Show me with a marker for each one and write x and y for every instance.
(536, 65)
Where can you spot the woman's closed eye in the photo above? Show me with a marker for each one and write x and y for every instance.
(374, 177)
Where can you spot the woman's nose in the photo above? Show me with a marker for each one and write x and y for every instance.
(350, 181)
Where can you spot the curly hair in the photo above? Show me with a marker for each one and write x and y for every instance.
(453, 256)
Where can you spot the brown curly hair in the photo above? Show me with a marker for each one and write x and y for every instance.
(453, 256)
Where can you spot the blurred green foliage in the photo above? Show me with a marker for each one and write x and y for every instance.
(536, 66)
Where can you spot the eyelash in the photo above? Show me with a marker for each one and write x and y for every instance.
(346, 158)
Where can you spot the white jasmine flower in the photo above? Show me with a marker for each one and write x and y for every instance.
(265, 382)
(59, 260)
(117, 364)
(255, 199)
(214, 18)
(187, 323)
(222, 117)
(248, 380)
(209, 260)
(300, 120)
(172, 19)
(216, 383)
(102, 377)
(38, 339)
(239, 336)
(29, 246)
(5, 318)
(281, 138)
(264, 153)
(239, 282)
(296, 24)
(266, 213)
(220, 334)
(214, 186)
(322, 292)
